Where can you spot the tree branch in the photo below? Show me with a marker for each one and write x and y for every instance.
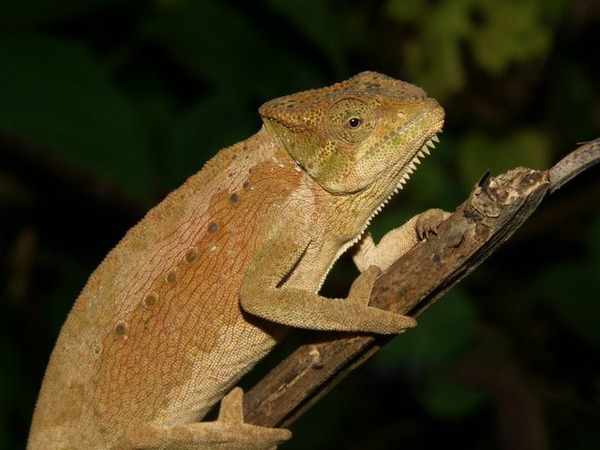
(495, 208)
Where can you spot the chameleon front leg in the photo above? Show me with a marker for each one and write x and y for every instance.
(398, 241)
(261, 295)
(229, 432)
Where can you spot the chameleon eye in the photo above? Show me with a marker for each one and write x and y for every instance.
(354, 122)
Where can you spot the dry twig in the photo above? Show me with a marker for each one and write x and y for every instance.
(495, 209)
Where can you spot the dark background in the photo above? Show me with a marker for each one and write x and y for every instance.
(107, 105)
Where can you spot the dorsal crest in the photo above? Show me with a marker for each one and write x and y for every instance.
(302, 111)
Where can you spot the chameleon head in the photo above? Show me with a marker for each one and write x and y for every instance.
(351, 134)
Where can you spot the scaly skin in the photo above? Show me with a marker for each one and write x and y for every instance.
(210, 280)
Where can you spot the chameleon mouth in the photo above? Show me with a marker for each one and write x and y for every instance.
(404, 175)
(408, 169)
(411, 167)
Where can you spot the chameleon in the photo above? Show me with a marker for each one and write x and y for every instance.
(216, 274)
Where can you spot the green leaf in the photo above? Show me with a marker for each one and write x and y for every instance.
(571, 290)
(508, 32)
(442, 333)
(19, 13)
(404, 11)
(594, 240)
(446, 398)
(498, 34)
(433, 56)
(223, 47)
(480, 152)
(212, 40)
(54, 96)
(329, 26)
(216, 122)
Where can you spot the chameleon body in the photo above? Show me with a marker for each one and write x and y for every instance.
(210, 280)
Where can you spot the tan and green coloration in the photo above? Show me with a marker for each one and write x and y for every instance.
(209, 281)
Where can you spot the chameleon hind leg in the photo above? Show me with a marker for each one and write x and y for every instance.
(228, 432)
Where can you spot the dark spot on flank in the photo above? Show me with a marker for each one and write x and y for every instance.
(212, 227)
(120, 329)
(191, 255)
(150, 300)
(171, 277)
(247, 185)
(234, 198)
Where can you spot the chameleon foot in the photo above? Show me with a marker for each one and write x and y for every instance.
(229, 432)
(370, 318)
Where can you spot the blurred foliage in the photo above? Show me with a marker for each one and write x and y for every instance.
(105, 106)
(562, 279)
(498, 35)
(47, 89)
